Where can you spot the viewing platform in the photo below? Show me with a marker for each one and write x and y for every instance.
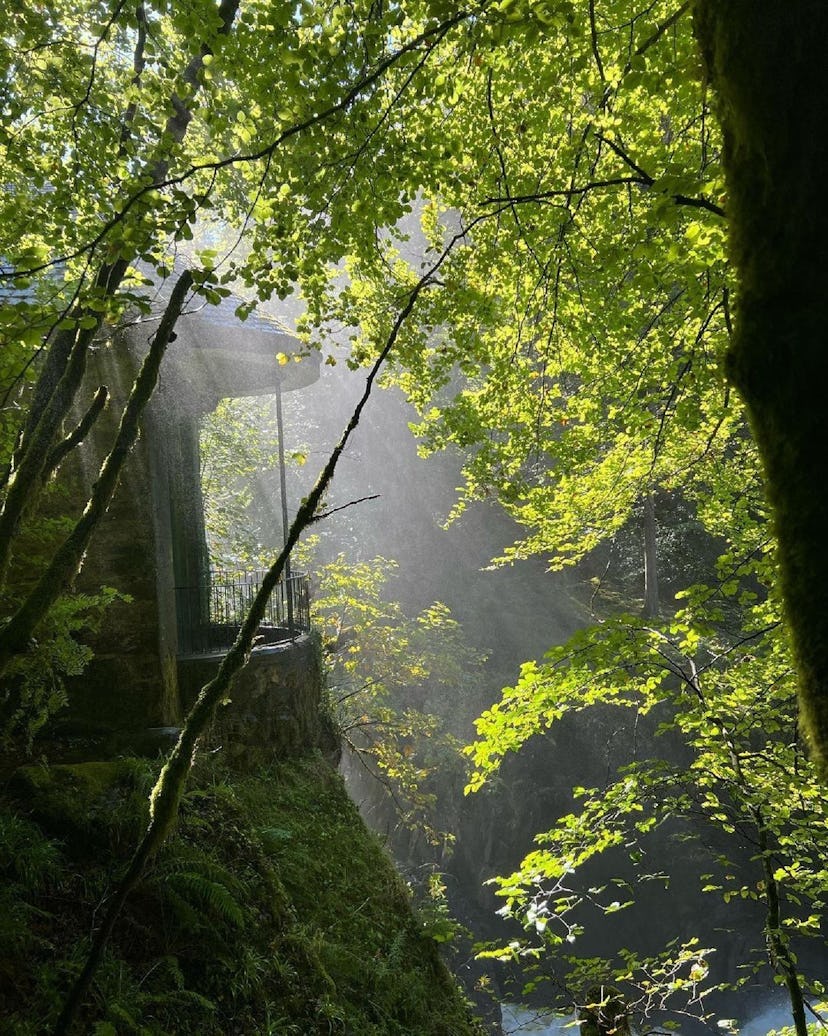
(211, 614)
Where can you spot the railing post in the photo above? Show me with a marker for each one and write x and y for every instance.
(283, 487)
(209, 621)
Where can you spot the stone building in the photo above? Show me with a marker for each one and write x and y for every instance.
(155, 650)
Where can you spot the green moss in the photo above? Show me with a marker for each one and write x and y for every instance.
(765, 61)
(93, 807)
(271, 910)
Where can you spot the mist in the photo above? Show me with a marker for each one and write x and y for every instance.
(386, 501)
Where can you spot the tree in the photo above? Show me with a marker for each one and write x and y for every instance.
(718, 771)
(579, 347)
(399, 688)
(583, 155)
(573, 298)
(587, 184)
(763, 61)
(114, 97)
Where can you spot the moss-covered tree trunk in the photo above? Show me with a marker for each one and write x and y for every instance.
(766, 60)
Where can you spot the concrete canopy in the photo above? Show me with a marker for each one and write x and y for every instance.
(241, 359)
(217, 355)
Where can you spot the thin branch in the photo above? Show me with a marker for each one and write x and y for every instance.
(78, 434)
(568, 192)
(622, 154)
(746, 639)
(119, 6)
(503, 170)
(359, 753)
(138, 63)
(357, 690)
(593, 34)
(662, 28)
(343, 507)
(650, 181)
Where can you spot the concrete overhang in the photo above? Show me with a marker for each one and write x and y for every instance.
(234, 358)
(217, 355)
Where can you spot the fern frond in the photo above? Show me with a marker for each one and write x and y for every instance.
(213, 895)
(26, 855)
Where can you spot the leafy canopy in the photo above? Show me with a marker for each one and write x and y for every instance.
(557, 169)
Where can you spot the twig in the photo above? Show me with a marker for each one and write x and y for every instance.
(342, 507)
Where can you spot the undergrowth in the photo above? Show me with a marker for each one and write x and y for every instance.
(272, 910)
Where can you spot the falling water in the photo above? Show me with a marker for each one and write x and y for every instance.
(528, 1021)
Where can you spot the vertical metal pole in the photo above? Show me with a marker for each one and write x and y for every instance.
(287, 580)
(651, 593)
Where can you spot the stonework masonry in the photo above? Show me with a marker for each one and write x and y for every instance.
(137, 689)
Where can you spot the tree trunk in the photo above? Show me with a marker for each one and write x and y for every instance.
(67, 559)
(766, 60)
(651, 594)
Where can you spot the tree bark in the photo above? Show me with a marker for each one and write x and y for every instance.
(64, 566)
(766, 61)
(780, 955)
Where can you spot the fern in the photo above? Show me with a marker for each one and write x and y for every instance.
(212, 894)
(34, 681)
(157, 1005)
(190, 879)
(174, 1001)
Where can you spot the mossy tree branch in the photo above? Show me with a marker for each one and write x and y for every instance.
(79, 432)
(50, 410)
(62, 569)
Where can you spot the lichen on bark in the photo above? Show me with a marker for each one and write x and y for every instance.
(765, 62)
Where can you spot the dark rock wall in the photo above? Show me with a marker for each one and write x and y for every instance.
(274, 708)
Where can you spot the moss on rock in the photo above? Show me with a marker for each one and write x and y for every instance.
(271, 910)
(91, 807)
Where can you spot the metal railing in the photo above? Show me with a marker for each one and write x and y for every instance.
(210, 616)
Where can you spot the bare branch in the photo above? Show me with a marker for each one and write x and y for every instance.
(78, 434)
(343, 507)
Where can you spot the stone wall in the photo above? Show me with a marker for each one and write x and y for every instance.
(131, 684)
(275, 706)
(152, 541)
